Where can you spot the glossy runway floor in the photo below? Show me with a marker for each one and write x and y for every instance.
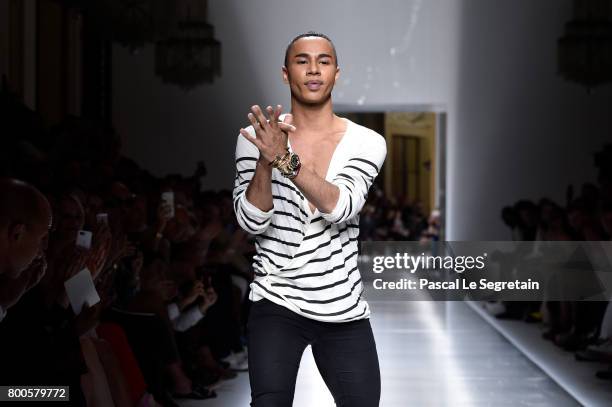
(431, 354)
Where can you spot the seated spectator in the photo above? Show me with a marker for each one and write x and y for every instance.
(142, 312)
(188, 310)
(25, 220)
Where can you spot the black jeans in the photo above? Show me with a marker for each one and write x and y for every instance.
(345, 354)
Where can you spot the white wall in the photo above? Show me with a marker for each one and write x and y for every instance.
(492, 64)
(520, 131)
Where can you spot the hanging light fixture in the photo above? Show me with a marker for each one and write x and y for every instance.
(132, 23)
(585, 50)
(190, 56)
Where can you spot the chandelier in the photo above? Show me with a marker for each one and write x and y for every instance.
(190, 55)
(186, 51)
(132, 23)
(584, 52)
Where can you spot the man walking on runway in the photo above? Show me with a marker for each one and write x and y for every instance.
(301, 180)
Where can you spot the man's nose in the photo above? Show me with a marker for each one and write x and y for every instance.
(313, 68)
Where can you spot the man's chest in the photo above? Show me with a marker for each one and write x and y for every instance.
(316, 156)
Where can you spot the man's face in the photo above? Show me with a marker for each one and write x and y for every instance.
(311, 70)
(28, 242)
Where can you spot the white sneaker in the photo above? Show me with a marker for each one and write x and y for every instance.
(231, 358)
(241, 366)
(605, 347)
(237, 361)
(242, 355)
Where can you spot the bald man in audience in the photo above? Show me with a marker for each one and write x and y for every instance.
(25, 219)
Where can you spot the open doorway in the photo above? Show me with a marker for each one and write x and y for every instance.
(413, 178)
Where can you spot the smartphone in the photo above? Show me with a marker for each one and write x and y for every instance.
(102, 218)
(84, 239)
(168, 199)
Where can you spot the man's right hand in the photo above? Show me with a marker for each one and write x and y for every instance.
(272, 135)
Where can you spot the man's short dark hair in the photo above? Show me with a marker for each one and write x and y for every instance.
(310, 34)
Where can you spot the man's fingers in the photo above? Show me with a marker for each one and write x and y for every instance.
(271, 114)
(288, 118)
(251, 138)
(277, 113)
(253, 119)
(259, 116)
(247, 135)
(286, 127)
(274, 114)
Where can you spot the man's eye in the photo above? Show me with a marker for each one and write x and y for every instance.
(325, 62)
(301, 61)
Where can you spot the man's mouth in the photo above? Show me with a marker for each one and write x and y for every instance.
(314, 85)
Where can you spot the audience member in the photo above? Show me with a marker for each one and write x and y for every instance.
(25, 220)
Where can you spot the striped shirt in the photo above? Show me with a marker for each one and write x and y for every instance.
(305, 261)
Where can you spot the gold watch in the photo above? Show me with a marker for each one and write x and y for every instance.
(289, 164)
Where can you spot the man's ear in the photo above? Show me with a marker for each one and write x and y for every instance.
(337, 73)
(285, 75)
(16, 232)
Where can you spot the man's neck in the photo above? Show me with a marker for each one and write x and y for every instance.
(313, 118)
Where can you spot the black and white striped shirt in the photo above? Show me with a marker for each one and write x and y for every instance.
(306, 261)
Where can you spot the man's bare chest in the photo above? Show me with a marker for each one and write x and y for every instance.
(316, 155)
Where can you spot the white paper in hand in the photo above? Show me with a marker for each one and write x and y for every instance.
(81, 290)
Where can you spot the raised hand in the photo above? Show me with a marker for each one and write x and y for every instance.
(209, 298)
(271, 135)
(196, 291)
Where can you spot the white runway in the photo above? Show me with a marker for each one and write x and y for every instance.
(431, 354)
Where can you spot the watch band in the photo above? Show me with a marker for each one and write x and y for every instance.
(274, 163)
(295, 172)
(288, 165)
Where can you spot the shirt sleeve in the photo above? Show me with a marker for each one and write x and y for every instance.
(173, 311)
(250, 218)
(355, 179)
(182, 321)
(2, 313)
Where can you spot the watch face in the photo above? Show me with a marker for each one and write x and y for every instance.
(295, 161)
